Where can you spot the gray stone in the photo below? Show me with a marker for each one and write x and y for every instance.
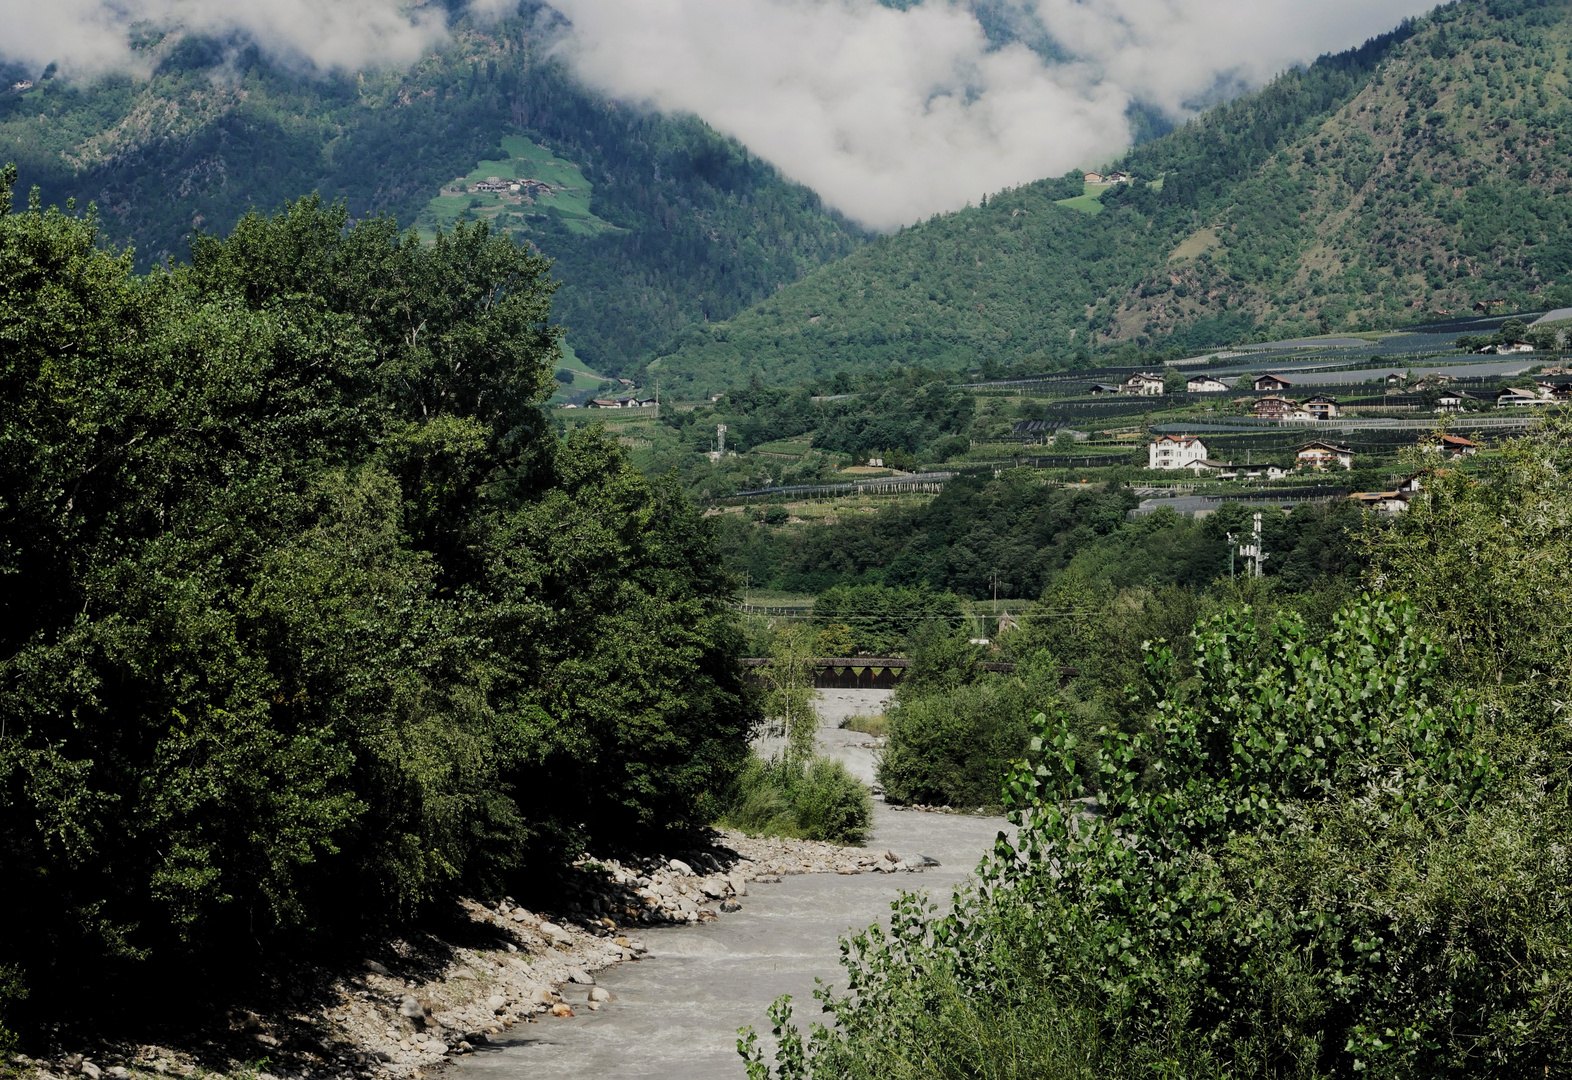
(91, 1071)
(582, 977)
(729, 906)
(681, 867)
(927, 860)
(519, 916)
(434, 1046)
(739, 883)
(117, 1072)
(600, 993)
(714, 887)
(496, 1003)
(411, 1008)
(376, 968)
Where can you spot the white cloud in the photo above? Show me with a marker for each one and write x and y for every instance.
(894, 115)
(889, 115)
(88, 36)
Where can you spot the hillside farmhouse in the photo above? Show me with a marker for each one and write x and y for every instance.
(1324, 455)
(1320, 407)
(1266, 384)
(1145, 384)
(1205, 384)
(1455, 445)
(1174, 452)
(1277, 408)
(1512, 397)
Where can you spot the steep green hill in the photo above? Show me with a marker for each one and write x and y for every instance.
(1425, 171)
(683, 224)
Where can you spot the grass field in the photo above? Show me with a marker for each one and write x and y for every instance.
(784, 446)
(568, 199)
(1088, 201)
(583, 377)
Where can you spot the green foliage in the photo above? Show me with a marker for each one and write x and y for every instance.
(1019, 531)
(306, 619)
(949, 748)
(813, 798)
(1305, 863)
(882, 620)
(1369, 189)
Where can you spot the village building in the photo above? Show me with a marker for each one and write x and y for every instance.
(1396, 378)
(1512, 397)
(1324, 455)
(1265, 472)
(1451, 401)
(1265, 384)
(602, 403)
(1117, 177)
(1273, 407)
(1207, 465)
(1205, 384)
(1174, 452)
(1095, 178)
(1098, 389)
(1384, 503)
(1455, 445)
(1145, 384)
(1320, 407)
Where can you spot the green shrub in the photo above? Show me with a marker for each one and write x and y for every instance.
(812, 799)
(953, 747)
(877, 725)
(1304, 864)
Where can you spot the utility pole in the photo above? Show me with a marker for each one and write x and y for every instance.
(1230, 539)
(1254, 551)
(657, 399)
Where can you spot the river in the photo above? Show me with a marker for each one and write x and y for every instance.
(676, 1012)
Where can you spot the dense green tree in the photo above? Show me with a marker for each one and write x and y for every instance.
(307, 621)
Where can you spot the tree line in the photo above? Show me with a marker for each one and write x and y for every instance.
(308, 619)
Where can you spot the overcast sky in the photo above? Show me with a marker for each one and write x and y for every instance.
(891, 116)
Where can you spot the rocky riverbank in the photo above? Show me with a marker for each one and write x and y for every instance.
(414, 1004)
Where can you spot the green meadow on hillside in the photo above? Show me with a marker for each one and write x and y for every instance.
(565, 195)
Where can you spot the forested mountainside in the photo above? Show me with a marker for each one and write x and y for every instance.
(1422, 172)
(698, 228)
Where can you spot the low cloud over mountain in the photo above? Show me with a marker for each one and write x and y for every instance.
(890, 114)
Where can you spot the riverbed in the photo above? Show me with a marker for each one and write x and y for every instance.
(676, 1012)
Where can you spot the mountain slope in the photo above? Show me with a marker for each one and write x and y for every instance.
(1424, 171)
(701, 229)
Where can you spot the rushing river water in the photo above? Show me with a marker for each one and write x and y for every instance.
(676, 1012)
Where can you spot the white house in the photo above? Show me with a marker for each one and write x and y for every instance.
(1174, 452)
(1205, 384)
(1145, 383)
(1322, 455)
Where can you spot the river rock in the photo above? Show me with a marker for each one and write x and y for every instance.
(680, 867)
(714, 887)
(729, 906)
(739, 883)
(496, 1003)
(582, 977)
(376, 968)
(434, 1046)
(91, 1071)
(411, 1008)
(600, 993)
